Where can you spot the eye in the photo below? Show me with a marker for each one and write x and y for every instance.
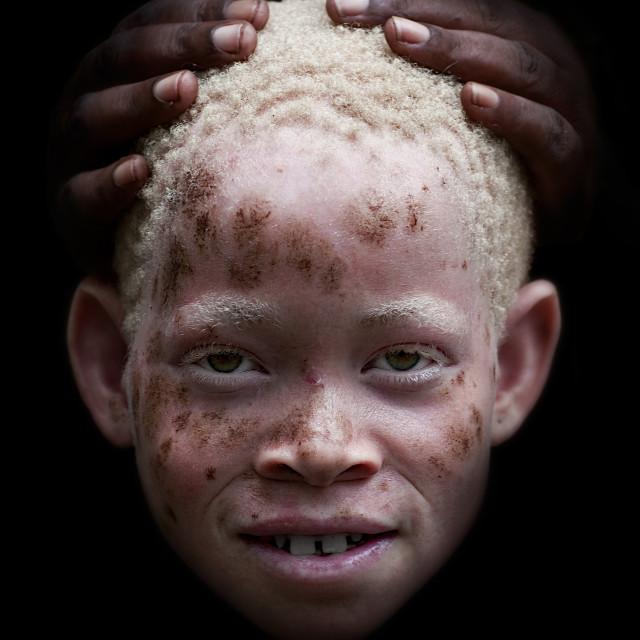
(224, 367)
(404, 366)
(226, 362)
(400, 360)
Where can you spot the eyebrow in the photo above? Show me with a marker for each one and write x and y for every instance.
(425, 311)
(209, 312)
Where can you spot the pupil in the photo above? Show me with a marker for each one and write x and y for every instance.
(401, 360)
(224, 362)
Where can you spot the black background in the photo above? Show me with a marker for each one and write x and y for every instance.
(552, 548)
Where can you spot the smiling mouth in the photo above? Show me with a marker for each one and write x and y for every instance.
(317, 545)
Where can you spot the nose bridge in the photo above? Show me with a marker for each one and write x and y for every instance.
(319, 441)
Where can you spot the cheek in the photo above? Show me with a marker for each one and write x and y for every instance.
(450, 447)
(184, 455)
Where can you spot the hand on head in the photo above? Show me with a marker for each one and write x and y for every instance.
(524, 80)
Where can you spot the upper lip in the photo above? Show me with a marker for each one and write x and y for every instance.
(306, 527)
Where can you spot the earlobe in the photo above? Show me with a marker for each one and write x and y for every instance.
(525, 356)
(97, 351)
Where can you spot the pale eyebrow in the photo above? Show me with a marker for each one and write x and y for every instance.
(439, 315)
(209, 312)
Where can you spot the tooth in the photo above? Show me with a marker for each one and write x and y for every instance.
(302, 545)
(336, 543)
(356, 537)
(280, 539)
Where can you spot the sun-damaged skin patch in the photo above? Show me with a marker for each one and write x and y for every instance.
(370, 220)
(414, 212)
(195, 188)
(312, 257)
(154, 398)
(175, 267)
(462, 438)
(251, 256)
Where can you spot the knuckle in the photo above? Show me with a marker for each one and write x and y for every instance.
(528, 62)
(180, 45)
(562, 143)
(107, 58)
(76, 122)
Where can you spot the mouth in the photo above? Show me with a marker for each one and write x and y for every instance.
(317, 545)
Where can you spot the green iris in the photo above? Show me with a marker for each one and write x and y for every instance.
(402, 360)
(225, 361)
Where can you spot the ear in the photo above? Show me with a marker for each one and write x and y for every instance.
(97, 351)
(525, 356)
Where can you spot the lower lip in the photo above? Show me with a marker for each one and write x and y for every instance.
(319, 569)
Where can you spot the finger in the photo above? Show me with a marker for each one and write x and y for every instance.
(106, 119)
(511, 65)
(90, 204)
(102, 193)
(255, 12)
(554, 153)
(504, 18)
(147, 51)
(491, 17)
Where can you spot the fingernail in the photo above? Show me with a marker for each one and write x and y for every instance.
(484, 97)
(348, 8)
(410, 32)
(227, 37)
(241, 10)
(130, 172)
(166, 89)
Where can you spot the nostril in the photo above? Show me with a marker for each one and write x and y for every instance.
(285, 469)
(357, 471)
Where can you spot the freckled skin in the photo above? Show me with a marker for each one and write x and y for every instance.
(311, 433)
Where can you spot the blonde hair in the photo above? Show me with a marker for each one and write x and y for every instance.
(311, 74)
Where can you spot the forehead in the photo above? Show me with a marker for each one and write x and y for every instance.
(321, 214)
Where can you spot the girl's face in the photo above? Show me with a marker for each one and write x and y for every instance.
(313, 388)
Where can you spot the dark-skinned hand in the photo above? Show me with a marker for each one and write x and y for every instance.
(140, 77)
(523, 79)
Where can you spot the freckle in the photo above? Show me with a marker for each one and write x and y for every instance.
(439, 464)
(163, 453)
(255, 516)
(464, 265)
(210, 473)
(370, 222)
(476, 418)
(180, 421)
(459, 441)
(459, 379)
(251, 257)
(176, 267)
(205, 232)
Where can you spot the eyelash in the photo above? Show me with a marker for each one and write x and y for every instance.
(400, 379)
(410, 377)
(204, 372)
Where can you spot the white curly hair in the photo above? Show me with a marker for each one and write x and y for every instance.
(314, 77)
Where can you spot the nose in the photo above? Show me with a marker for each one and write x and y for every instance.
(319, 451)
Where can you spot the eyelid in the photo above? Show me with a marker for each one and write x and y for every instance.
(425, 350)
(411, 378)
(199, 352)
(231, 381)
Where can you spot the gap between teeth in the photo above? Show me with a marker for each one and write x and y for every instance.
(299, 545)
